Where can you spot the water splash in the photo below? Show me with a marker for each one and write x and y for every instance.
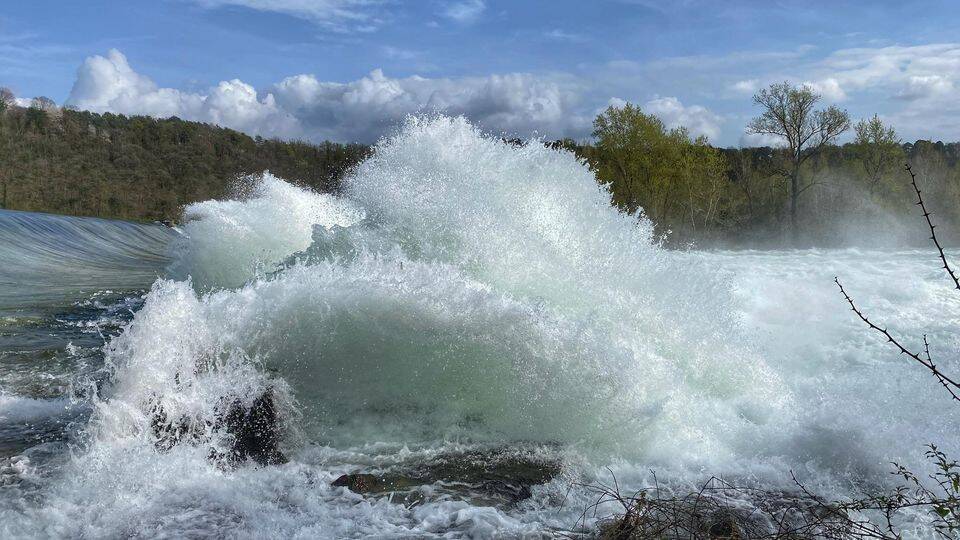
(467, 293)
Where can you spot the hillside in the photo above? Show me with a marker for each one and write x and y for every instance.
(82, 163)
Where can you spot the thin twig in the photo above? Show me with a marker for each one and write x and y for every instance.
(933, 234)
(952, 386)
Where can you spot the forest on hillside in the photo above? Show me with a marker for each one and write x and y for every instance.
(857, 193)
(76, 162)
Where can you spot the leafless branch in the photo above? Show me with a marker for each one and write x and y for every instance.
(933, 234)
(952, 386)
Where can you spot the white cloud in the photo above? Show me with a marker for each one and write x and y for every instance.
(614, 102)
(108, 83)
(362, 110)
(829, 88)
(331, 13)
(748, 86)
(923, 80)
(562, 35)
(893, 66)
(927, 86)
(761, 139)
(697, 119)
(464, 11)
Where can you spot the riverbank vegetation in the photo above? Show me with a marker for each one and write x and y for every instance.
(76, 162)
(805, 190)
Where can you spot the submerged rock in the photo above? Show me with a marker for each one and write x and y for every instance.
(253, 432)
(493, 477)
(371, 483)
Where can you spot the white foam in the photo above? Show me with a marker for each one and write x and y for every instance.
(469, 292)
(229, 242)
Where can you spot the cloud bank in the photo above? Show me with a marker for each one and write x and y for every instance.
(698, 120)
(109, 84)
(305, 107)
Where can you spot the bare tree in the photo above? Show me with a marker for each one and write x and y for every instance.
(788, 112)
(6, 98)
(44, 104)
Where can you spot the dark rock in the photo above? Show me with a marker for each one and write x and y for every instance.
(482, 477)
(723, 525)
(169, 433)
(371, 483)
(254, 432)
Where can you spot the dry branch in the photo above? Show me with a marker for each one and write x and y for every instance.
(952, 386)
(932, 227)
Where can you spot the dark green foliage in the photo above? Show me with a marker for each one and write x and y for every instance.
(82, 163)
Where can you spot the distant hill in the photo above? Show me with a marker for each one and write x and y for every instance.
(108, 165)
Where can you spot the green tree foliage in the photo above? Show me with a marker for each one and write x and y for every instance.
(74, 162)
(679, 182)
(879, 151)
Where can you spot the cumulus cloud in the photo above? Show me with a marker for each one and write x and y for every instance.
(761, 139)
(891, 66)
(697, 119)
(829, 88)
(924, 79)
(918, 87)
(464, 11)
(108, 83)
(361, 110)
(748, 86)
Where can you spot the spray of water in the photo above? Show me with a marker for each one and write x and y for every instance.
(467, 292)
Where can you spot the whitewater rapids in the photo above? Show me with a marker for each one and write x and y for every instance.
(464, 293)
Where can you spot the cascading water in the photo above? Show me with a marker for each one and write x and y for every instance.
(466, 295)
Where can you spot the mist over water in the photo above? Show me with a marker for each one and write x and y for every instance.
(466, 294)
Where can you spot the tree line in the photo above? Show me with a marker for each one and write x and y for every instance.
(108, 165)
(805, 190)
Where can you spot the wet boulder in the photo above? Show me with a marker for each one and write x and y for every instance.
(255, 431)
(251, 432)
(372, 483)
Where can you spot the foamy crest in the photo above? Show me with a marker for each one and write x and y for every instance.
(229, 242)
(498, 297)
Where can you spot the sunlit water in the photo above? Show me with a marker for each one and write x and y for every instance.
(463, 297)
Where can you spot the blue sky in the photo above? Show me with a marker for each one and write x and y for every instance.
(349, 69)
